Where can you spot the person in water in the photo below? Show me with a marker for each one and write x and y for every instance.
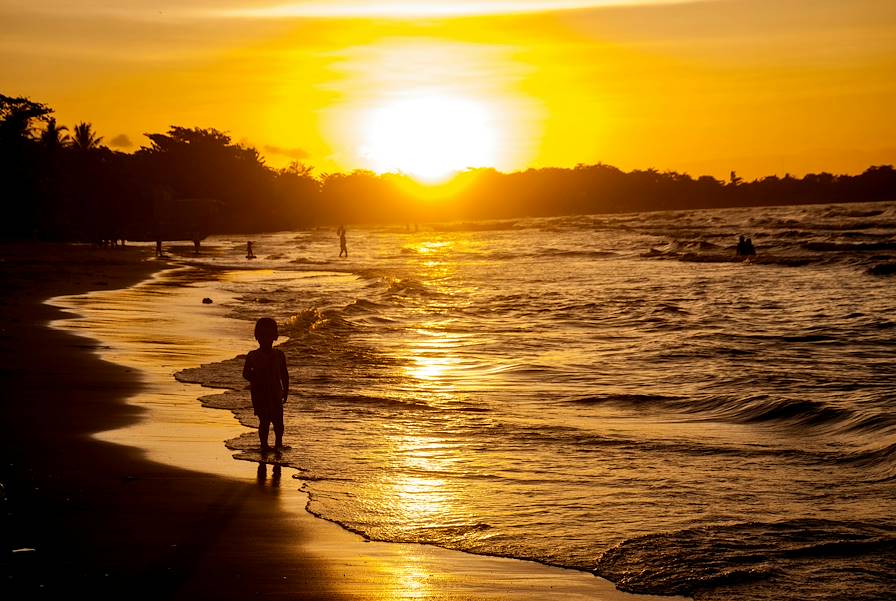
(342, 245)
(249, 253)
(265, 368)
(745, 247)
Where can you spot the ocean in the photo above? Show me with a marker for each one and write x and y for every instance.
(620, 394)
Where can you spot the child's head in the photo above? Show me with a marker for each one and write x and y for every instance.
(266, 330)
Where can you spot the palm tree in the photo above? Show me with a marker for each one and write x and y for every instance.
(53, 137)
(85, 138)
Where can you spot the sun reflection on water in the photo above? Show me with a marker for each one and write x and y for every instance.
(431, 367)
(421, 498)
(425, 248)
(418, 494)
(432, 356)
(413, 583)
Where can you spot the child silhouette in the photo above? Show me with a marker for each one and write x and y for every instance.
(265, 368)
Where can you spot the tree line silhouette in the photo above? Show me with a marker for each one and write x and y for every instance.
(187, 183)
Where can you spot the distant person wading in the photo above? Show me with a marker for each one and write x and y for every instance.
(745, 247)
(342, 245)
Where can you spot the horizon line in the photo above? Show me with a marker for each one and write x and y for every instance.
(694, 176)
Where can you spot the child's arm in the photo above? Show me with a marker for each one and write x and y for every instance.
(247, 368)
(284, 376)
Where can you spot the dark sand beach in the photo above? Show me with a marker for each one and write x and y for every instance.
(84, 518)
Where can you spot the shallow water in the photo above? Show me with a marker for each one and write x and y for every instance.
(610, 393)
(161, 326)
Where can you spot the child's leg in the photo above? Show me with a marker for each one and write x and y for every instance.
(264, 425)
(278, 429)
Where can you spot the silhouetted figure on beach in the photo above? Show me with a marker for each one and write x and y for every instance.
(249, 253)
(159, 247)
(265, 368)
(342, 245)
(745, 247)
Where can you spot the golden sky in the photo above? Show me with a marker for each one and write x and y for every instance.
(758, 86)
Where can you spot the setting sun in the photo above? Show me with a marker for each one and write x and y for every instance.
(429, 136)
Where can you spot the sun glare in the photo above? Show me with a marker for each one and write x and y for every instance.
(429, 136)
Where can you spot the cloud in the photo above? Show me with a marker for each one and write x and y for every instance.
(415, 8)
(168, 11)
(121, 141)
(293, 153)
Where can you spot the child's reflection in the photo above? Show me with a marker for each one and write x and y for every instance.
(263, 475)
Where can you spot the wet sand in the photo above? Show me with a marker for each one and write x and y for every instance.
(154, 506)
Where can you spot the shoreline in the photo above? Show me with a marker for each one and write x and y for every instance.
(217, 530)
(88, 517)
